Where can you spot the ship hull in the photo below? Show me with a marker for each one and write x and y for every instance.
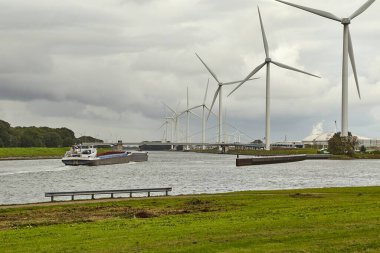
(106, 160)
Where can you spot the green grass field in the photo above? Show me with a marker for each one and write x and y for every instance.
(32, 152)
(314, 220)
(36, 152)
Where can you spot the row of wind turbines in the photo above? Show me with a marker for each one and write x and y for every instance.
(347, 53)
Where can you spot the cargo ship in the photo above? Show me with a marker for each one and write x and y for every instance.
(88, 155)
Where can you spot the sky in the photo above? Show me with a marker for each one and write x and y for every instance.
(105, 67)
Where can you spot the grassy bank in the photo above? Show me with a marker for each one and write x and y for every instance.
(32, 152)
(36, 152)
(318, 220)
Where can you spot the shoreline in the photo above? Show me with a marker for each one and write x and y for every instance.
(64, 202)
(16, 158)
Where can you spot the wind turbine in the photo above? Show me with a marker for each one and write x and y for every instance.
(267, 62)
(175, 121)
(188, 111)
(348, 51)
(165, 124)
(204, 108)
(219, 92)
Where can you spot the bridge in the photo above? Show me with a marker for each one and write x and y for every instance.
(176, 144)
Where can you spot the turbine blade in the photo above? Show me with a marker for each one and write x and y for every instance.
(362, 9)
(163, 124)
(352, 58)
(235, 82)
(196, 115)
(248, 77)
(210, 111)
(293, 69)
(204, 100)
(195, 107)
(209, 70)
(213, 101)
(171, 109)
(266, 47)
(182, 113)
(314, 11)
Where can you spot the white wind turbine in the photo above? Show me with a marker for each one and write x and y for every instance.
(165, 124)
(219, 92)
(267, 62)
(174, 118)
(204, 108)
(188, 111)
(348, 51)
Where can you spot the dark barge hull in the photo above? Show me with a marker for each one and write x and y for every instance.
(262, 160)
(269, 160)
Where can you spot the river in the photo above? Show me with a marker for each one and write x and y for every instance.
(186, 172)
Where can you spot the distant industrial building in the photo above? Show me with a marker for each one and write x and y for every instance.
(320, 140)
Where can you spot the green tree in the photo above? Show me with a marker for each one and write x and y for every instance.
(84, 139)
(65, 133)
(5, 136)
(31, 137)
(339, 145)
(52, 139)
(67, 142)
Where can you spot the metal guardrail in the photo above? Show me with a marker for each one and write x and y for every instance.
(111, 192)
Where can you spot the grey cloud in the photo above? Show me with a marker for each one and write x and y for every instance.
(112, 63)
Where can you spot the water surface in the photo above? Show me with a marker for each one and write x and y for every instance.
(187, 173)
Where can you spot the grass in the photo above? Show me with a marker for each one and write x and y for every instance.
(36, 152)
(313, 220)
(32, 152)
(367, 156)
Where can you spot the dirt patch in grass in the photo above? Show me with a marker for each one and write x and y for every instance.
(44, 216)
(305, 196)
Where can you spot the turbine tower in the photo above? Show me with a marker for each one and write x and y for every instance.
(165, 124)
(188, 111)
(175, 121)
(267, 62)
(204, 108)
(348, 51)
(219, 92)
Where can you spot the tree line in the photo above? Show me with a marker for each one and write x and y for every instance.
(39, 136)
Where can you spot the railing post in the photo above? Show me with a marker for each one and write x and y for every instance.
(167, 193)
(148, 194)
(130, 194)
(111, 195)
(52, 198)
(72, 197)
(92, 196)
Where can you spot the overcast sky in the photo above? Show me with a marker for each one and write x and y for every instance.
(104, 67)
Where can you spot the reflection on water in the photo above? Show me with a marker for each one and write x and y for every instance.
(187, 173)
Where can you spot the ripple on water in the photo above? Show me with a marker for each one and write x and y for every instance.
(187, 173)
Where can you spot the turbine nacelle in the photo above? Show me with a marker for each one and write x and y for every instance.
(268, 60)
(346, 21)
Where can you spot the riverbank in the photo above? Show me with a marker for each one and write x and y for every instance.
(57, 153)
(311, 220)
(35, 153)
(31, 153)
